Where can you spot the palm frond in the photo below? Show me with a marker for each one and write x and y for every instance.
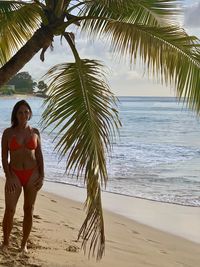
(81, 107)
(59, 7)
(169, 53)
(16, 27)
(151, 13)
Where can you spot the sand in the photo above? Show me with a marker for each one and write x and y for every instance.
(53, 240)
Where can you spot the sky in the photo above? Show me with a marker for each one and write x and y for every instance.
(123, 80)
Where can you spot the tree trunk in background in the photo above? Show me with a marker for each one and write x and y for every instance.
(41, 38)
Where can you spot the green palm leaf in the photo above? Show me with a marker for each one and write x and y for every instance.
(146, 12)
(81, 107)
(60, 6)
(16, 27)
(169, 53)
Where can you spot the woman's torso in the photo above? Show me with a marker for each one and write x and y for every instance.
(22, 147)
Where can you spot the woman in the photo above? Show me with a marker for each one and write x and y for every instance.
(25, 169)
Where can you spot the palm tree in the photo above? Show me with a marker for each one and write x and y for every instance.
(80, 103)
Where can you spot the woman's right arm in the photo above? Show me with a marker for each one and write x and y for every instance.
(4, 154)
(11, 182)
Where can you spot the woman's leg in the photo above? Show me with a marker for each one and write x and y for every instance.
(30, 194)
(11, 199)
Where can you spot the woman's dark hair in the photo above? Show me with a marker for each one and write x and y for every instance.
(14, 121)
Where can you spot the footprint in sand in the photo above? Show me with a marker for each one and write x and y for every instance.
(37, 217)
(38, 236)
(75, 208)
(17, 223)
(120, 223)
(52, 200)
(70, 227)
(163, 252)
(72, 248)
(153, 241)
(76, 241)
(45, 221)
(135, 232)
(16, 233)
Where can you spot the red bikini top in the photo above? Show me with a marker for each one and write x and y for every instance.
(14, 145)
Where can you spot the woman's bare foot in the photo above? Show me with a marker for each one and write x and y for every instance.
(24, 249)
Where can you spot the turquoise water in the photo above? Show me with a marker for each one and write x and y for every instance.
(157, 155)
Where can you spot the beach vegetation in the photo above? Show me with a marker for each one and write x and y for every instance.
(7, 90)
(22, 82)
(80, 103)
(42, 89)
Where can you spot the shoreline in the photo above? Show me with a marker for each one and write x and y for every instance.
(148, 212)
(13, 96)
(123, 194)
(57, 220)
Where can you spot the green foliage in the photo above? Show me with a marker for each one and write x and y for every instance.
(86, 108)
(7, 90)
(23, 82)
(18, 21)
(42, 89)
(42, 86)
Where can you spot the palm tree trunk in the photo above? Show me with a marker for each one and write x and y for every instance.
(41, 38)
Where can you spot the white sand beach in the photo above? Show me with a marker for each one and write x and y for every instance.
(135, 241)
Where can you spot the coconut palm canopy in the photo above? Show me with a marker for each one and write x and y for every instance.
(80, 102)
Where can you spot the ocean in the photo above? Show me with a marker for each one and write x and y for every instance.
(156, 156)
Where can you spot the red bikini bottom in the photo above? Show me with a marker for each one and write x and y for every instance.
(23, 175)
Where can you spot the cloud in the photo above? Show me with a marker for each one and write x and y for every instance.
(192, 17)
(62, 53)
(123, 73)
(122, 79)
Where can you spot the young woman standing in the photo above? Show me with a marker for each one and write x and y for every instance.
(22, 162)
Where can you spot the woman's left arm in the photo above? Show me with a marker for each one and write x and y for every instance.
(39, 155)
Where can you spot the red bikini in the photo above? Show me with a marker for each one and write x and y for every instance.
(14, 145)
(23, 175)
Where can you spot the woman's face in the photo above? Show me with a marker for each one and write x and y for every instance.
(23, 114)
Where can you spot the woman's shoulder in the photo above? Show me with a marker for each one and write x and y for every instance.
(8, 132)
(36, 131)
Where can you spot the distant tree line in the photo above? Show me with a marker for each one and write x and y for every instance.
(22, 83)
(42, 89)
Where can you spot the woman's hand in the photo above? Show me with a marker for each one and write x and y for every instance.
(38, 183)
(11, 184)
